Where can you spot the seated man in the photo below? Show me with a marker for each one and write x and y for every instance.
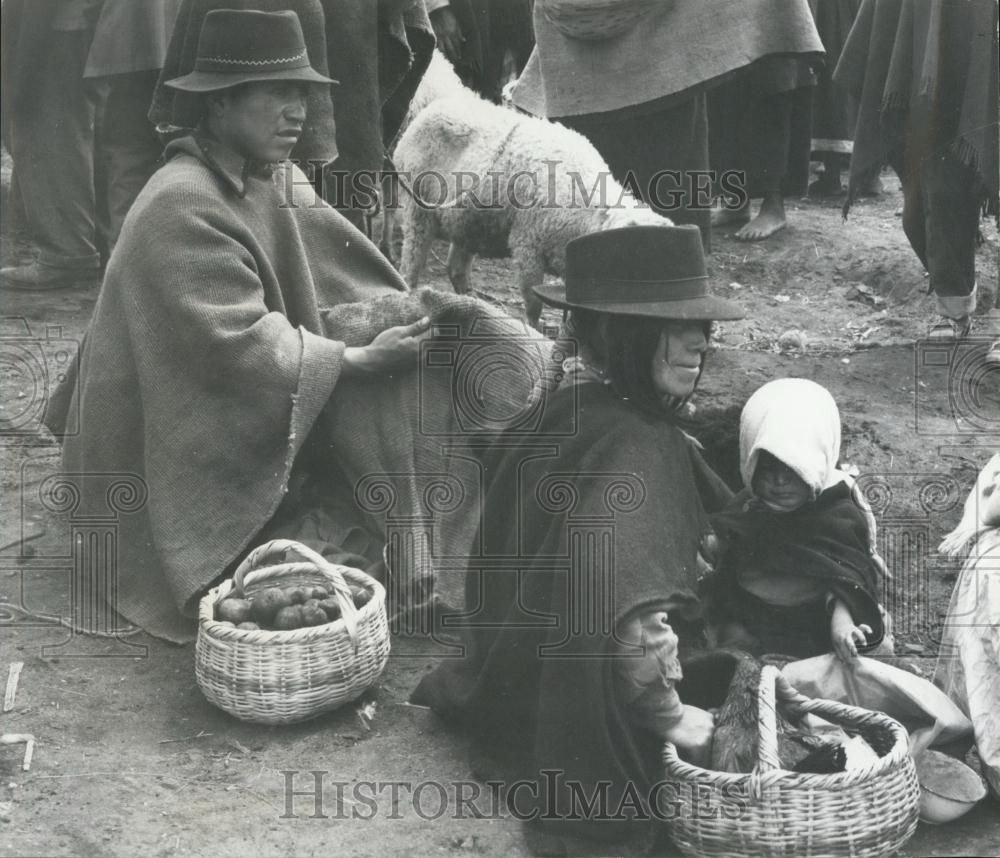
(209, 356)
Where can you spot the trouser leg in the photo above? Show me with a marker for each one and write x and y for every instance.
(951, 213)
(940, 219)
(128, 145)
(53, 148)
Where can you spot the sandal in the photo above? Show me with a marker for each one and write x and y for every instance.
(950, 330)
(992, 355)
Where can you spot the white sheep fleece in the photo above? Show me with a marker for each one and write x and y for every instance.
(557, 169)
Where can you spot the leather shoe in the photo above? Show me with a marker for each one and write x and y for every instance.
(949, 330)
(38, 277)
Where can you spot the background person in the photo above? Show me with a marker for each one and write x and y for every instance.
(631, 76)
(49, 113)
(926, 75)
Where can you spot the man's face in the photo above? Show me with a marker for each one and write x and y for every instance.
(261, 120)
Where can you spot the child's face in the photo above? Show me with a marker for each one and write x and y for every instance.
(778, 485)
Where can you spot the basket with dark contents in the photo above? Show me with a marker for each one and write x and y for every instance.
(864, 811)
(290, 636)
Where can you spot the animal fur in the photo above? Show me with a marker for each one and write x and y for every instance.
(531, 179)
(439, 81)
(735, 741)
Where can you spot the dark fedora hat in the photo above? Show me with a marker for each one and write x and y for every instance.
(244, 45)
(654, 271)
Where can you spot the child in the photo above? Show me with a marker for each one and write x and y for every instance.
(968, 666)
(798, 574)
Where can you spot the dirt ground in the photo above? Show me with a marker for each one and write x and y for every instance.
(131, 759)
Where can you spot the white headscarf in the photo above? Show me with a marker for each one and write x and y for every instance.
(797, 421)
(982, 510)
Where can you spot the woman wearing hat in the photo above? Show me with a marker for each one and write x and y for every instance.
(208, 359)
(589, 550)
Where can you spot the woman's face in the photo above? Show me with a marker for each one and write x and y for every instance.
(678, 357)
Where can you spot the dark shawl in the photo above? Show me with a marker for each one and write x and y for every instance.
(595, 466)
(826, 540)
(926, 75)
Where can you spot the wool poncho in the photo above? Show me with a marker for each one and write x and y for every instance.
(205, 365)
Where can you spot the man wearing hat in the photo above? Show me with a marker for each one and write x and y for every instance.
(593, 550)
(207, 361)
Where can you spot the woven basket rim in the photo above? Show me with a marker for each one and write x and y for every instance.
(891, 759)
(214, 627)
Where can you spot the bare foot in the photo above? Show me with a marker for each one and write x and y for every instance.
(770, 219)
(723, 216)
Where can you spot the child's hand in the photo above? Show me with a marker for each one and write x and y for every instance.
(846, 636)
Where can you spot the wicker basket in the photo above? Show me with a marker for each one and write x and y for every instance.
(279, 677)
(861, 813)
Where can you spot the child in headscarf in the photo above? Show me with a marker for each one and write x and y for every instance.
(798, 574)
(968, 666)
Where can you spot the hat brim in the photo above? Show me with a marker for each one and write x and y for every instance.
(201, 81)
(707, 308)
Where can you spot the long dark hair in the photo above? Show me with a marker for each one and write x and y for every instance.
(625, 345)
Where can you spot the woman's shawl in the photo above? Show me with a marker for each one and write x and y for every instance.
(826, 540)
(598, 514)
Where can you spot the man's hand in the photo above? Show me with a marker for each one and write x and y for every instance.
(448, 33)
(394, 347)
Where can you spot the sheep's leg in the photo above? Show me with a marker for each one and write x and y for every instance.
(389, 190)
(418, 235)
(459, 267)
(530, 272)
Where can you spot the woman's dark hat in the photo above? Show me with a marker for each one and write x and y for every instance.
(243, 45)
(656, 271)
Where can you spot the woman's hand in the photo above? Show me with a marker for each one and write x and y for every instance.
(394, 347)
(847, 636)
(693, 735)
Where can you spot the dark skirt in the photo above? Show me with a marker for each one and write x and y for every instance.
(746, 622)
(760, 124)
(834, 112)
(640, 142)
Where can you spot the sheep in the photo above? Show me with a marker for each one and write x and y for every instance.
(495, 182)
(438, 81)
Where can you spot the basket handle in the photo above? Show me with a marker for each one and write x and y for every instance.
(277, 550)
(773, 687)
